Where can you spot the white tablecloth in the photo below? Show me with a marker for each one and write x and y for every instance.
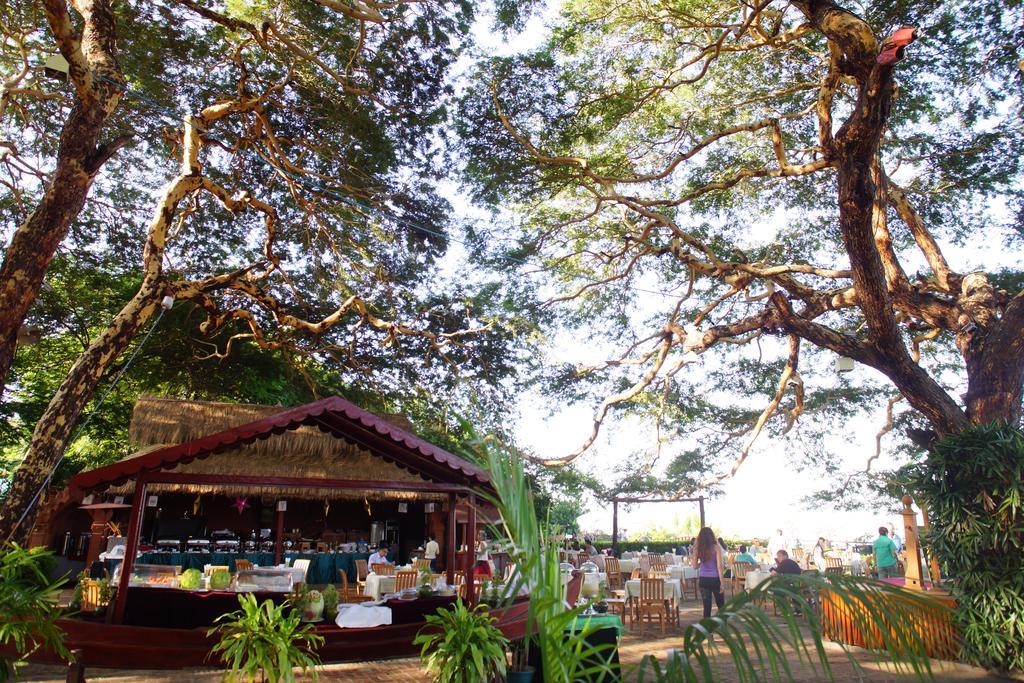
(754, 577)
(682, 571)
(673, 591)
(626, 567)
(356, 615)
(378, 584)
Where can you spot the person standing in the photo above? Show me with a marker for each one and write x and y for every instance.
(707, 560)
(483, 558)
(431, 551)
(819, 553)
(895, 537)
(777, 542)
(885, 555)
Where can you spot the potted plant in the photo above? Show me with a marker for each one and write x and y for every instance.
(520, 671)
(425, 590)
(462, 645)
(309, 603)
(331, 600)
(265, 642)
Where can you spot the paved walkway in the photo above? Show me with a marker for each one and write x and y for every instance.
(632, 649)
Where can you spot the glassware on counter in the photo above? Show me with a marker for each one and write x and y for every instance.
(155, 576)
(264, 579)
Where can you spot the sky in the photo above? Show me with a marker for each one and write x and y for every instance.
(766, 493)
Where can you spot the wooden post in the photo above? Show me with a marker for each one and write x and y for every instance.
(449, 552)
(933, 561)
(912, 577)
(471, 550)
(97, 534)
(279, 535)
(131, 547)
(615, 527)
(700, 502)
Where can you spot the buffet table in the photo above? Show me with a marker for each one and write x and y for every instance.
(323, 567)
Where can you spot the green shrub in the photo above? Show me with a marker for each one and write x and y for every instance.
(973, 485)
(28, 604)
(265, 642)
(462, 645)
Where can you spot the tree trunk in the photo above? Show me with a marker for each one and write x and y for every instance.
(79, 159)
(54, 428)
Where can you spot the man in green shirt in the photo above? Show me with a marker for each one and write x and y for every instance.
(885, 555)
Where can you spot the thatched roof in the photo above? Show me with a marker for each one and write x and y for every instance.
(292, 449)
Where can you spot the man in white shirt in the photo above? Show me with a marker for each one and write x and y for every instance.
(895, 538)
(430, 552)
(776, 543)
(379, 557)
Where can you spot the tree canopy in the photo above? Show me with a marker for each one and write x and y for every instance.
(728, 196)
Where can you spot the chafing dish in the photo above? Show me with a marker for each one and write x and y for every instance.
(197, 545)
(168, 545)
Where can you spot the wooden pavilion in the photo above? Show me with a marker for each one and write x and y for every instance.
(330, 449)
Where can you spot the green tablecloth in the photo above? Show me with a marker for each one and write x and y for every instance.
(323, 567)
(598, 622)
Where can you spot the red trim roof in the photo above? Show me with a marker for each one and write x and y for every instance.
(335, 415)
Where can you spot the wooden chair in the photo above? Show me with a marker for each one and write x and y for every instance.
(690, 587)
(739, 576)
(215, 568)
(243, 565)
(321, 547)
(405, 579)
(652, 603)
(420, 563)
(658, 564)
(460, 583)
(611, 568)
(617, 606)
(302, 565)
(833, 565)
(383, 569)
(347, 594)
(362, 569)
(91, 595)
(638, 574)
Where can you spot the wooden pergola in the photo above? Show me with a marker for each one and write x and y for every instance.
(645, 499)
(439, 471)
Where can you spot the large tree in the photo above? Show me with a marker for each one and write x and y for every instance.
(744, 191)
(297, 211)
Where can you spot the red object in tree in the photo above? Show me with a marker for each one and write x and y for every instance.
(893, 48)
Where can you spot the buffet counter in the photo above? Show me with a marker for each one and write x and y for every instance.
(323, 567)
(174, 608)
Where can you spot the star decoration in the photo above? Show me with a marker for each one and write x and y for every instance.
(241, 504)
